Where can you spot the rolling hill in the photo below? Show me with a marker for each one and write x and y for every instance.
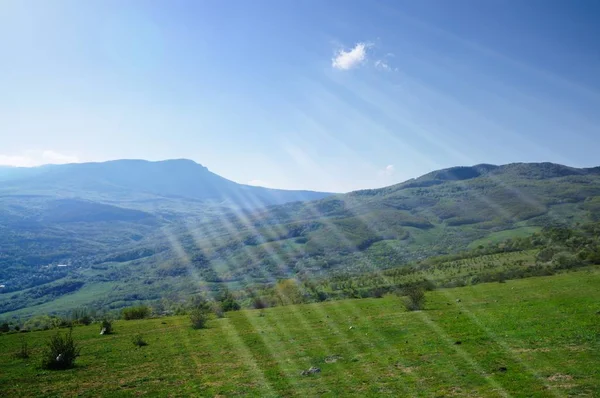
(187, 240)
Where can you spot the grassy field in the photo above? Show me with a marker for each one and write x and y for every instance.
(533, 337)
(501, 236)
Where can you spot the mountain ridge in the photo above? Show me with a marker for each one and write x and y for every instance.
(168, 245)
(182, 178)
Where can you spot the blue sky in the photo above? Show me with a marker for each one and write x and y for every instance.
(314, 94)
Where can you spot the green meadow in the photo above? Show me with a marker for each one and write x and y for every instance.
(534, 337)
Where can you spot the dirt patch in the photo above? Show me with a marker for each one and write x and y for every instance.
(576, 348)
(560, 377)
(404, 369)
(332, 359)
(541, 349)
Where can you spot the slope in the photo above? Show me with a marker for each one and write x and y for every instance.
(442, 212)
(496, 342)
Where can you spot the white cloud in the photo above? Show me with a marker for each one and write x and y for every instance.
(260, 183)
(345, 60)
(382, 65)
(387, 171)
(37, 158)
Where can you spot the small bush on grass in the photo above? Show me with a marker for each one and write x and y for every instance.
(23, 352)
(61, 352)
(106, 327)
(139, 312)
(138, 341)
(198, 318)
(415, 298)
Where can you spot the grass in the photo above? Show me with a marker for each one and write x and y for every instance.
(533, 337)
(501, 236)
(68, 302)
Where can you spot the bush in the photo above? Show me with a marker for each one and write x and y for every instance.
(217, 309)
(565, 260)
(139, 312)
(229, 304)
(415, 298)
(138, 341)
(106, 327)
(23, 352)
(61, 352)
(4, 327)
(198, 317)
(259, 303)
(377, 292)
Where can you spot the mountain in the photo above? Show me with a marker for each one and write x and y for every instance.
(72, 214)
(168, 239)
(139, 180)
(441, 212)
(55, 212)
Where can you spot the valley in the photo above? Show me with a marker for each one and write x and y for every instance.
(171, 247)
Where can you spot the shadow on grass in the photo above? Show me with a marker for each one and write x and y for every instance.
(267, 363)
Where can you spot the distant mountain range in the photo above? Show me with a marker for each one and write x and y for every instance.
(141, 230)
(141, 180)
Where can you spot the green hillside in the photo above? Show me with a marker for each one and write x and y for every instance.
(145, 253)
(533, 337)
(439, 213)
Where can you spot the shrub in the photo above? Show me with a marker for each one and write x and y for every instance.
(415, 298)
(217, 309)
(139, 312)
(288, 292)
(106, 327)
(377, 292)
(23, 352)
(565, 260)
(5, 327)
(198, 317)
(259, 303)
(61, 352)
(229, 304)
(321, 296)
(138, 341)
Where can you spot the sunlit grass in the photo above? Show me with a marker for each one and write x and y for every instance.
(531, 337)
